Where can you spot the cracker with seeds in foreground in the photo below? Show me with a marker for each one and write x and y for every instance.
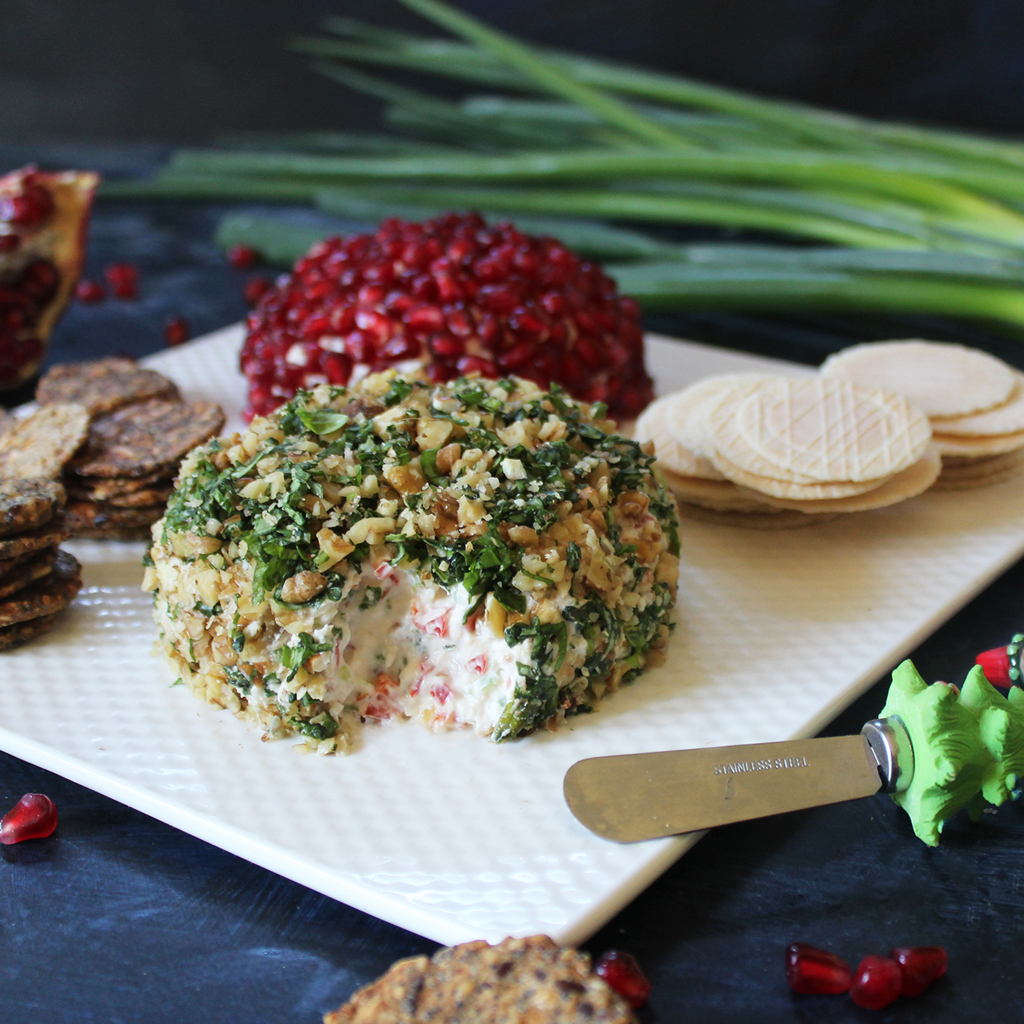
(35, 567)
(42, 444)
(46, 536)
(51, 594)
(104, 385)
(21, 632)
(518, 981)
(26, 504)
(91, 515)
(149, 436)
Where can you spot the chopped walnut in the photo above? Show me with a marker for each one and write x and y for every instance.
(302, 587)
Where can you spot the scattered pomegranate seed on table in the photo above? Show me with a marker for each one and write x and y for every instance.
(877, 982)
(457, 297)
(920, 966)
(624, 975)
(123, 279)
(812, 972)
(90, 292)
(176, 330)
(242, 256)
(256, 288)
(34, 816)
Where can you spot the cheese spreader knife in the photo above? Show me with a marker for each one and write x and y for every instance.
(629, 797)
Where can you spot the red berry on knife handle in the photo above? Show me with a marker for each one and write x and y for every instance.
(34, 816)
(877, 982)
(623, 974)
(920, 966)
(815, 972)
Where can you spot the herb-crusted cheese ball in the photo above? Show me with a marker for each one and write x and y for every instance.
(476, 553)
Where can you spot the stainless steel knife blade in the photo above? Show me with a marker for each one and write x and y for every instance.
(630, 797)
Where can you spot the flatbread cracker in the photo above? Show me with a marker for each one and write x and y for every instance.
(21, 632)
(100, 488)
(672, 454)
(104, 385)
(27, 504)
(46, 536)
(149, 436)
(51, 594)
(1007, 418)
(940, 378)
(777, 519)
(722, 495)
(977, 447)
(41, 445)
(793, 491)
(35, 567)
(133, 499)
(518, 981)
(91, 515)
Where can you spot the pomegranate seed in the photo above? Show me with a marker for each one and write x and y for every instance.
(176, 330)
(242, 256)
(34, 816)
(877, 982)
(815, 972)
(256, 288)
(920, 966)
(90, 292)
(9, 242)
(123, 279)
(29, 207)
(453, 292)
(623, 974)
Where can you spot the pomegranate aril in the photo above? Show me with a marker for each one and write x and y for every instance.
(9, 242)
(123, 279)
(811, 971)
(29, 207)
(877, 982)
(176, 330)
(623, 974)
(256, 288)
(90, 292)
(243, 257)
(34, 816)
(919, 966)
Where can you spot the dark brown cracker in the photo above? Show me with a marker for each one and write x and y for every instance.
(103, 385)
(42, 444)
(26, 504)
(35, 567)
(8, 565)
(46, 536)
(21, 632)
(104, 488)
(52, 593)
(111, 533)
(133, 499)
(518, 981)
(92, 515)
(149, 436)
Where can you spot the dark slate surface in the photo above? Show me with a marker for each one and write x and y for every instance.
(119, 918)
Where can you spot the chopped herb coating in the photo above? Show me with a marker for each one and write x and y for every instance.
(326, 563)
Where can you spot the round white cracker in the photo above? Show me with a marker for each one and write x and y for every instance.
(979, 468)
(670, 451)
(941, 378)
(818, 430)
(777, 519)
(913, 480)
(977, 447)
(723, 495)
(1007, 418)
(795, 492)
(968, 483)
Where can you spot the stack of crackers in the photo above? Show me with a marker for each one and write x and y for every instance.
(975, 402)
(139, 431)
(37, 578)
(771, 452)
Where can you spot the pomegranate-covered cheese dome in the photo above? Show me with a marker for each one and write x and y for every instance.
(455, 296)
(475, 553)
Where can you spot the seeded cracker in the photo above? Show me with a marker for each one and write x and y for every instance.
(133, 499)
(27, 504)
(149, 436)
(46, 536)
(42, 444)
(518, 981)
(21, 632)
(98, 488)
(54, 592)
(90, 515)
(35, 567)
(103, 385)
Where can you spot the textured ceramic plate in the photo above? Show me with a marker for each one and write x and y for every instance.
(449, 835)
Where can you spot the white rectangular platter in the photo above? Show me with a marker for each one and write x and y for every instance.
(449, 835)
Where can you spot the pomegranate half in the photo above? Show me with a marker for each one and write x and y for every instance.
(43, 222)
(452, 295)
